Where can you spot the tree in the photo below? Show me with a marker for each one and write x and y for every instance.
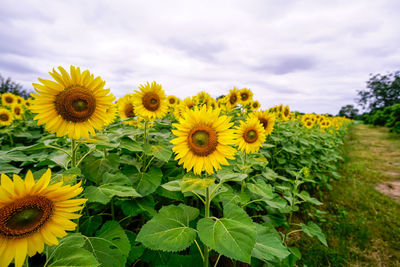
(382, 91)
(8, 86)
(348, 111)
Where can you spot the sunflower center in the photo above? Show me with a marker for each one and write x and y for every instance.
(9, 99)
(151, 101)
(244, 96)
(17, 110)
(264, 122)
(171, 101)
(4, 117)
(255, 105)
(75, 104)
(202, 140)
(286, 112)
(129, 111)
(250, 136)
(24, 216)
(232, 99)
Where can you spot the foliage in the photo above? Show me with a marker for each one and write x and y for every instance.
(348, 111)
(9, 86)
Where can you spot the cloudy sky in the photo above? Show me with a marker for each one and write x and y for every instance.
(312, 55)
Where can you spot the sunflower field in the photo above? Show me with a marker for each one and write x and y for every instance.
(154, 180)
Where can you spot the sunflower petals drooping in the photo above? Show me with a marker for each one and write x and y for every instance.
(75, 104)
(150, 102)
(203, 140)
(33, 214)
(250, 135)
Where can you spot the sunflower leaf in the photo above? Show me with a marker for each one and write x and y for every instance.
(233, 236)
(169, 230)
(146, 183)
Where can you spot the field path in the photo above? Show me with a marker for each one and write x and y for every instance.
(363, 221)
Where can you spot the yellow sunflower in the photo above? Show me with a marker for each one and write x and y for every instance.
(8, 99)
(180, 111)
(233, 98)
(75, 104)
(308, 123)
(6, 117)
(150, 102)
(111, 114)
(17, 110)
(286, 113)
(28, 103)
(189, 102)
(245, 96)
(203, 140)
(254, 105)
(33, 214)
(266, 119)
(249, 135)
(172, 100)
(202, 97)
(126, 109)
(20, 100)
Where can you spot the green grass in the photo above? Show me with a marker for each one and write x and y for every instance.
(362, 225)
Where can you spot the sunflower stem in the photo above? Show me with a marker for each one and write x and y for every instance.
(73, 153)
(206, 215)
(144, 146)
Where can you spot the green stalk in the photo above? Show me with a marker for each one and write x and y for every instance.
(73, 153)
(206, 215)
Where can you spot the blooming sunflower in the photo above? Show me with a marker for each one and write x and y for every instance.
(75, 104)
(17, 110)
(202, 97)
(254, 105)
(111, 114)
(179, 111)
(20, 100)
(286, 112)
(126, 109)
(308, 123)
(189, 102)
(6, 117)
(33, 214)
(245, 96)
(233, 97)
(172, 100)
(203, 140)
(150, 102)
(8, 99)
(249, 135)
(266, 119)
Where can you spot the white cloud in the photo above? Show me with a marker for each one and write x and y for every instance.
(312, 55)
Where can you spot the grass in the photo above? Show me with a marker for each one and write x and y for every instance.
(362, 225)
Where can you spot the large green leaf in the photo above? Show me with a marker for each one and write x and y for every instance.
(110, 246)
(104, 193)
(147, 183)
(93, 168)
(261, 189)
(90, 224)
(269, 244)
(227, 174)
(160, 151)
(194, 183)
(313, 230)
(169, 230)
(233, 236)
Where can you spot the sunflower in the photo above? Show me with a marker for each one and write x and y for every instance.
(6, 117)
(17, 110)
(286, 112)
(150, 102)
(189, 102)
(202, 97)
(254, 105)
(172, 100)
(20, 100)
(233, 98)
(266, 119)
(308, 123)
(111, 114)
(75, 104)
(28, 103)
(203, 140)
(33, 214)
(180, 111)
(8, 99)
(126, 109)
(249, 135)
(245, 96)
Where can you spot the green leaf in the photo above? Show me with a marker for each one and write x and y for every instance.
(313, 230)
(90, 224)
(137, 206)
(69, 252)
(160, 151)
(136, 249)
(268, 244)
(110, 245)
(130, 145)
(261, 189)
(191, 183)
(172, 186)
(304, 195)
(8, 168)
(228, 175)
(60, 158)
(147, 183)
(277, 202)
(233, 236)
(169, 230)
(104, 193)
(93, 168)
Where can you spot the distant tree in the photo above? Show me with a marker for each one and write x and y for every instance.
(8, 86)
(348, 111)
(382, 91)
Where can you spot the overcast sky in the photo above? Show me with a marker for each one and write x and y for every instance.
(312, 55)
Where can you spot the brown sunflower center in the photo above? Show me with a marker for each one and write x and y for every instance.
(129, 111)
(17, 110)
(172, 101)
(202, 140)
(286, 112)
(75, 104)
(4, 117)
(250, 136)
(24, 216)
(255, 105)
(151, 101)
(244, 96)
(9, 99)
(309, 123)
(233, 99)
(264, 122)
